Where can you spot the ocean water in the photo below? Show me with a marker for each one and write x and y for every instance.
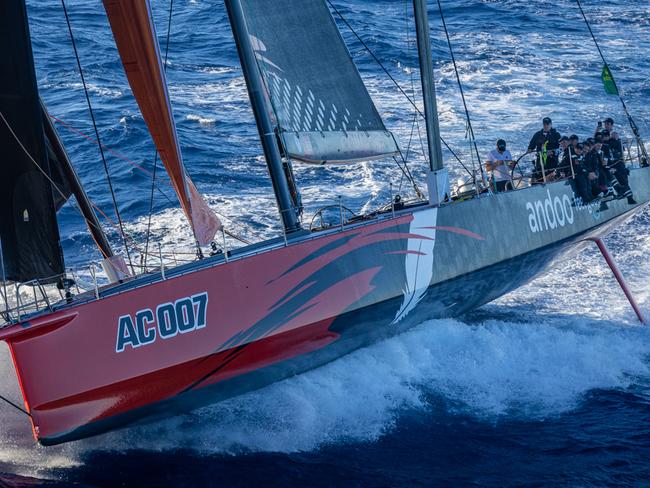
(548, 386)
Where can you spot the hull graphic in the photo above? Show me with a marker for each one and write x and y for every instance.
(419, 260)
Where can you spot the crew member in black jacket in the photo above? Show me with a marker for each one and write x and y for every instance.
(545, 143)
(582, 182)
(616, 167)
(605, 126)
(597, 172)
(606, 180)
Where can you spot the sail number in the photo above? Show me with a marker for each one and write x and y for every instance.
(168, 320)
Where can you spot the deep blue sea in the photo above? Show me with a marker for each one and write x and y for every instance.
(549, 386)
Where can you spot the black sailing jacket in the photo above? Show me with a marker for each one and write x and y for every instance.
(616, 149)
(537, 142)
(593, 162)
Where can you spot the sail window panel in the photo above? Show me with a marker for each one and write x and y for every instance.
(323, 110)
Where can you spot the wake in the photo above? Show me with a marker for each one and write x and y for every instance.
(533, 355)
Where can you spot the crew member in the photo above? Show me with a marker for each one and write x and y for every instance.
(564, 143)
(582, 182)
(501, 161)
(565, 153)
(605, 125)
(545, 143)
(617, 169)
(593, 166)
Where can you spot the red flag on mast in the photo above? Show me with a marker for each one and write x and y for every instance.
(135, 37)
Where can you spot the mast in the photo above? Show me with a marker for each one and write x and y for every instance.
(94, 226)
(268, 137)
(437, 178)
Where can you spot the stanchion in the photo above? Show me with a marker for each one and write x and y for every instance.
(162, 262)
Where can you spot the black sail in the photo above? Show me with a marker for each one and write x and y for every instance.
(28, 226)
(322, 109)
(63, 190)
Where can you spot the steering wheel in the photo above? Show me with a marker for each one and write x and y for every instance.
(517, 175)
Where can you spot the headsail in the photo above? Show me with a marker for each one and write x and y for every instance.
(135, 37)
(322, 108)
(28, 226)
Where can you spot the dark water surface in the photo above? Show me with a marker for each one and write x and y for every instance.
(548, 386)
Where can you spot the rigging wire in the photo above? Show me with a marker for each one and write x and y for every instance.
(134, 244)
(155, 159)
(405, 169)
(110, 150)
(92, 116)
(393, 80)
(416, 120)
(634, 127)
(137, 166)
(53, 183)
(415, 123)
(15, 405)
(470, 128)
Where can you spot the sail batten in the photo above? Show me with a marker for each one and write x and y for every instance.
(322, 109)
(135, 37)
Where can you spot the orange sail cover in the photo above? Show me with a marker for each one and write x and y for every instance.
(135, 37)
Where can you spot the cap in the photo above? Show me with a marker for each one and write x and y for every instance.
(501, 144)
(609, 120)
(547, 120)
(580, 146)
(574, 138)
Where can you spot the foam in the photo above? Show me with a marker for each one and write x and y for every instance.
(201, 120)
(491, 371)
(537, 354)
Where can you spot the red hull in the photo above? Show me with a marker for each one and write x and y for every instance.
(215, 329)
(261, 309)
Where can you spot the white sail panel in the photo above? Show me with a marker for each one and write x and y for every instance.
(334, 147)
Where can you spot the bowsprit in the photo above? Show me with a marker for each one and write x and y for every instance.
(169, 319)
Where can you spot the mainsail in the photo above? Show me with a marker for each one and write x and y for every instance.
(135, 37)
(323, 111)
(28, 226)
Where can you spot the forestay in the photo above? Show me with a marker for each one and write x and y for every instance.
(316, 96)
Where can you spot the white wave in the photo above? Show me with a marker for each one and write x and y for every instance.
(490, 371)
(201, 120)
(539, 363)
(93, 88)
(216, 70)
